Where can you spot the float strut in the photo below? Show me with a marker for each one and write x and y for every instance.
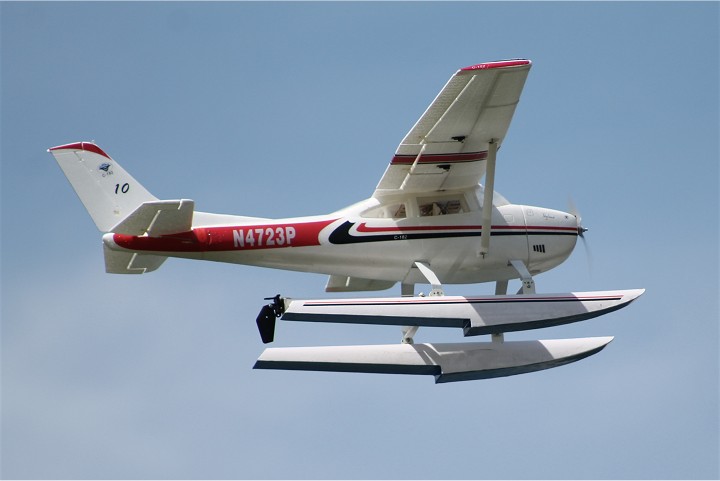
(408, 333)
(528, 284)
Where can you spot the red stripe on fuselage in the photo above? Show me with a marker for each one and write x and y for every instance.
(230, 238)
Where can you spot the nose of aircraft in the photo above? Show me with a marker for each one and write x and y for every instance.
(552, 236)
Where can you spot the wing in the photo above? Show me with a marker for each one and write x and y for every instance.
(446, 148)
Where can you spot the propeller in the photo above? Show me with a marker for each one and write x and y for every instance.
(581, 231)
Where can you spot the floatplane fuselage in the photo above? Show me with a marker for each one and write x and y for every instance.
(354, 243)
(429, 220)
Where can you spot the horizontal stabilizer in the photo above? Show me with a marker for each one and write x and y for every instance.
(156, 218)
(122, 262)
(475, 315)
(447, 362)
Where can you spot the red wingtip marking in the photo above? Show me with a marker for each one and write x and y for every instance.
(499, 64)
(87, 146)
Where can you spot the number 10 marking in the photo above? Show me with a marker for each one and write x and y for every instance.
(122, 189)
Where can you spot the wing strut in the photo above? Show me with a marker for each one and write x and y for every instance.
(437, 290)
(488, 198)
(413, 166)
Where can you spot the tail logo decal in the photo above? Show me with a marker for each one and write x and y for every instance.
(105, 167)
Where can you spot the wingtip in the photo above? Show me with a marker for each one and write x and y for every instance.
(516, 62)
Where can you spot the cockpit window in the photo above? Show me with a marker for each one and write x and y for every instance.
(498, 199)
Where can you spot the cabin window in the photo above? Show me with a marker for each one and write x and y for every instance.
(441, 206)
(399, 211)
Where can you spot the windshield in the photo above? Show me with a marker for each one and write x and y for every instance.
(498, 198)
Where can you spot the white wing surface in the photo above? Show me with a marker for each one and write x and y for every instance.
(447, 147)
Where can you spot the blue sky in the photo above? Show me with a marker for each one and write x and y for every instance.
(282, 109)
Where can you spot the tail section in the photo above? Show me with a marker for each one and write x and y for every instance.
(106, 190)
(119, 204)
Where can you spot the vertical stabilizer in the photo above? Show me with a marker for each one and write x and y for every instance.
(106, 190)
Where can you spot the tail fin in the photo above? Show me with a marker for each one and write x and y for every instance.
(106, 190)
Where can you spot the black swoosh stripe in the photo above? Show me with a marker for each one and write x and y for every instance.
(342, 235)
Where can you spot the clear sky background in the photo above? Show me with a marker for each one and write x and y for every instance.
(283, 109)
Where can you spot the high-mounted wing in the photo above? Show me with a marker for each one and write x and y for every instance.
(448, 145)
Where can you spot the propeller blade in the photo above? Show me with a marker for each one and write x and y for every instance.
(588, 253)
(572, 208)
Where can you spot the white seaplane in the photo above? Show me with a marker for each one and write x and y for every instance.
(428, 221)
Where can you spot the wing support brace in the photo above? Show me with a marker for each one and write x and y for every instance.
(413, 167)
(488, 198)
